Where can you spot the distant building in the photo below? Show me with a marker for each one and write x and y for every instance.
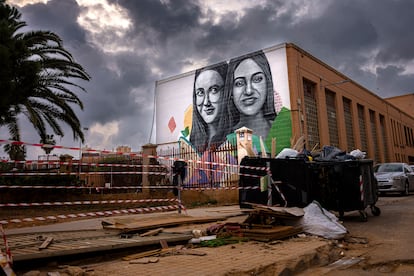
(404, 102)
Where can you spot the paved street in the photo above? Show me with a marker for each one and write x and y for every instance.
(390, 240)
(388, 248)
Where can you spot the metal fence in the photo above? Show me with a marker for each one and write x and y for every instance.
(212, 168)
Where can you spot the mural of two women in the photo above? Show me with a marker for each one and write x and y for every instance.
(229, 96)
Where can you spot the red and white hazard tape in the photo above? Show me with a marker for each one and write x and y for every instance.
(275, 184)
(87, 202)
(5, 265)
(220, 188)
(128, 154)
(6, 260)
(132, 187)
(84, 187)
(96, 214)
(361, 187)
(77, 173)
(89, 164)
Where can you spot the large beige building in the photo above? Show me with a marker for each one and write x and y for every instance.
(333, 110)
(282, 93)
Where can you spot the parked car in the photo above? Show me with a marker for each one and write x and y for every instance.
(394, 177)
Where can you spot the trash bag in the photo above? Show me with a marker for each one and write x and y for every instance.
(287, 153)
(320, 222)
(331, 153)
(358, 154)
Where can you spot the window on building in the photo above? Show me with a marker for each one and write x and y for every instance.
(394, 133)
(374, 136)
(331, 115)
(311, 112)
(384, 138)
(399, 133)
(412, 137)
(349, 128)
(362, 129)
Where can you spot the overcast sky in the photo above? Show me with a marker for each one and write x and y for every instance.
(127, 45)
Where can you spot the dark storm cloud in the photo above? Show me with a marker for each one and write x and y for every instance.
(57, 16)
(110, 94)
(369, 41)
(162, 18)
(392, 81)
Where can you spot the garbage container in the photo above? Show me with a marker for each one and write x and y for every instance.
(292, 177)
(337, 185)
(251, 169)
(346, 186)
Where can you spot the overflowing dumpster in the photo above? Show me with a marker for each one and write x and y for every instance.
(338, 185)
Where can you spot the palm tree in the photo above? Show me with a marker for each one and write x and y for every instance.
(37, 78)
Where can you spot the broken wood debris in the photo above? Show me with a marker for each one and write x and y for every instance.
(266, 223)
(152, 232)
(46, 243)
(136, 225)
(164, 251)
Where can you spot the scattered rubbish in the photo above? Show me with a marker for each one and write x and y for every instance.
(358, 154)
(201, 239)
(287, 153)
(198, 233)
(220, 242)
(345, 263)
(320, 222)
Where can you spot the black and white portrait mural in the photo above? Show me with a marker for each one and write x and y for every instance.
(204, 108)
(250, 86)
(210, 122)
(228, 96)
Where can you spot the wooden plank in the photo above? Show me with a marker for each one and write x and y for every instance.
(46, 243)
(164, 244)
(152, 232)
(71, 245)
(276, 233)
(135, 225)
(142, 254)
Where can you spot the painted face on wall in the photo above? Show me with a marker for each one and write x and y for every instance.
(209, 88)
(249, 87)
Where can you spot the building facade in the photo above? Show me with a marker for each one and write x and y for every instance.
(282, 93)
(334, 110)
